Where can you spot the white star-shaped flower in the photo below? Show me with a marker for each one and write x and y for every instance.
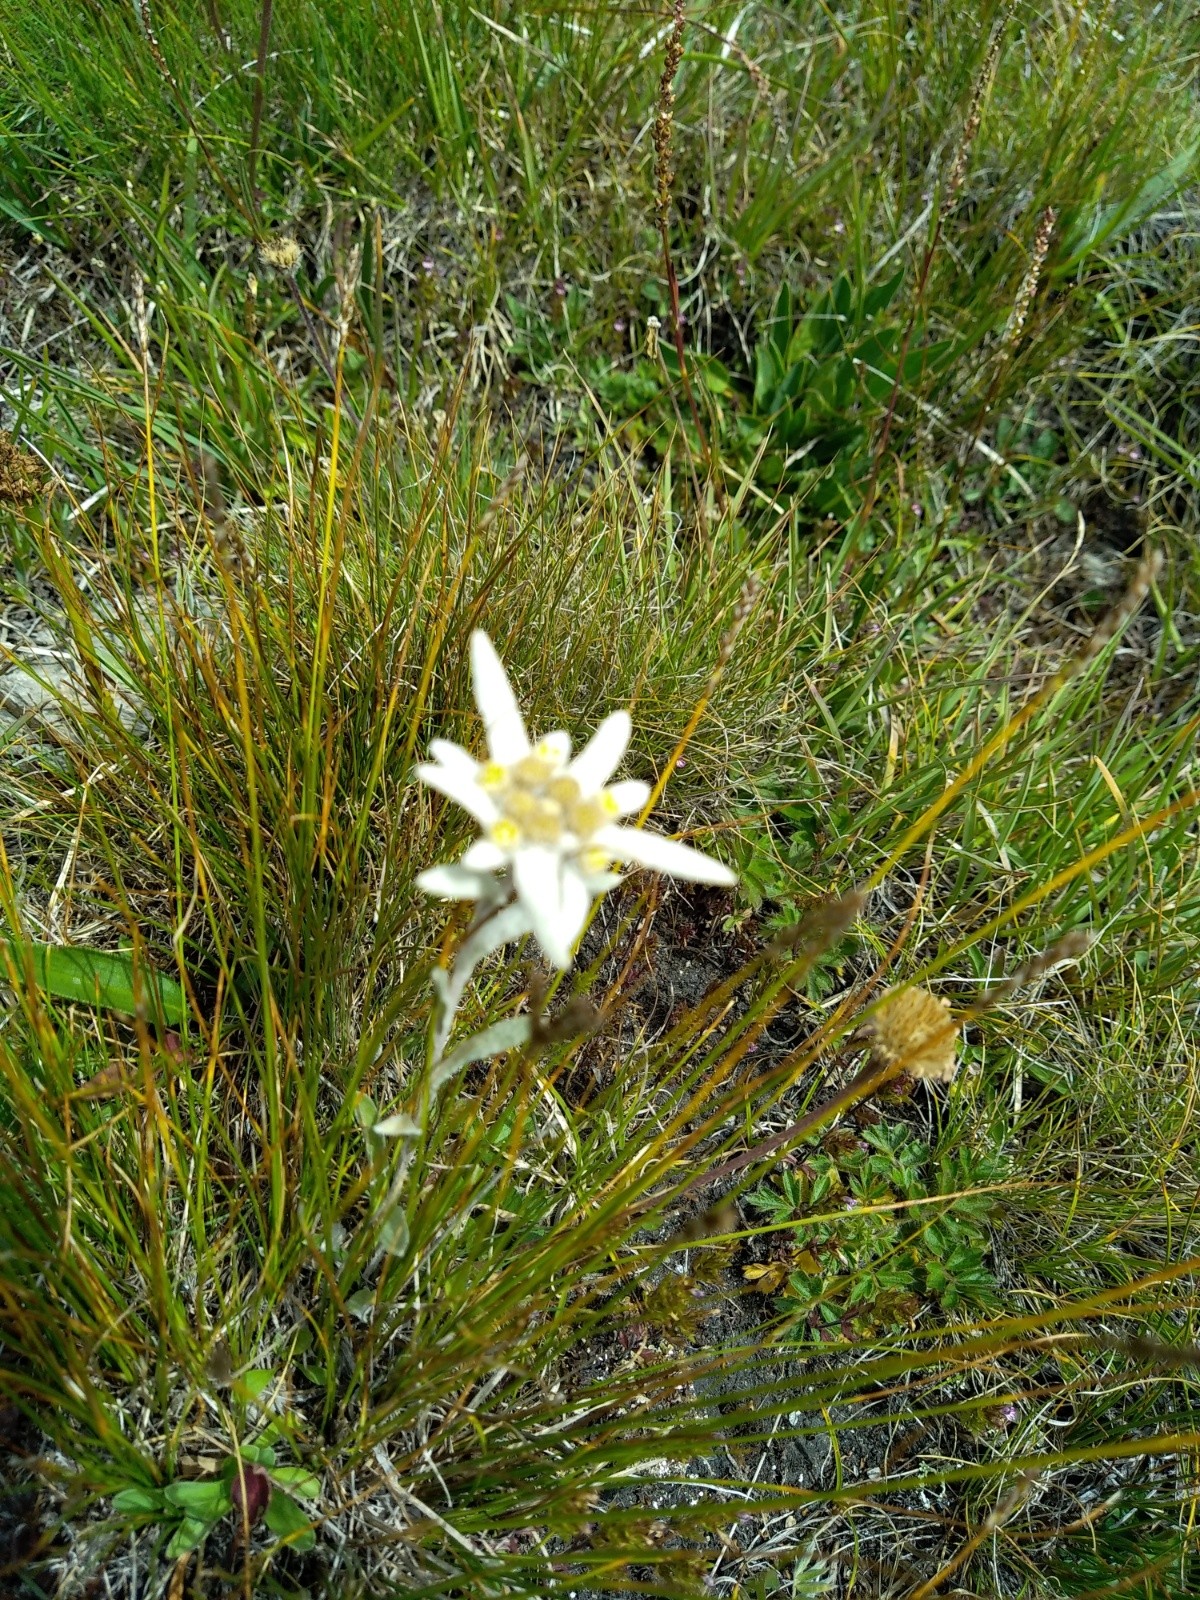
(549, 826)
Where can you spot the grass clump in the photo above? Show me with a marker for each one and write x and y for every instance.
(720, 1269)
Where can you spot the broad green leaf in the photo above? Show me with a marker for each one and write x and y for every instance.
(257, 1383)
(782, 318)
(768, 369)
(134, 1500)
(252, 1455)
(106, 978)
(207, 1498)
(306, 1484)
(186, 1537)
(287, 1521)
(393, 1231)
(361, 1304)
(881, 296)
(366, 1112)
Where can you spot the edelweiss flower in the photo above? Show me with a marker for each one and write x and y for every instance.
(550, 825)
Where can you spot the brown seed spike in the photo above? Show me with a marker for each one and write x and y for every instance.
(913, 1032)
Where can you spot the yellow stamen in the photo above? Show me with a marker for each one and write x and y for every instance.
(595, 861)
(544, 823)
(564, 789)
(505, 833)
(521, 806)
(533, 771)
(586, 816)
(493, 776)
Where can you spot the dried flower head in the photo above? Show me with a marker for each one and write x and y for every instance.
(21, 475)
(912, 1031)
(347, 271)
(1071, 947)
(143, 10)
(281, 252)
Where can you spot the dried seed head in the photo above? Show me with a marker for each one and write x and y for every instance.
(143, 10)
(652, 326)
(718, 1219)
(21, 476)
(975, 112)
(1071, 947)
(348, 274)
(141, 317)
(743, 607)
(822, 927)
(281, 252)
(664, 121)
(912, 1031)
(1147, 572)
(1033, 273)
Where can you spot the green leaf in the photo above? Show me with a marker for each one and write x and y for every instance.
(510, 1034)
(306, 1484)
(287, 1521)
(186, 1537)
(361, 1304)
(107, 978)
(782, 317)
(1064, 512)
(131, 1501)
(1101, 224)
(768, 369)
(393, 1231)
(24, 219)
(256, 1383)
(366, 1113)
(881, 296)
(254, 1455)
(206, 1498)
